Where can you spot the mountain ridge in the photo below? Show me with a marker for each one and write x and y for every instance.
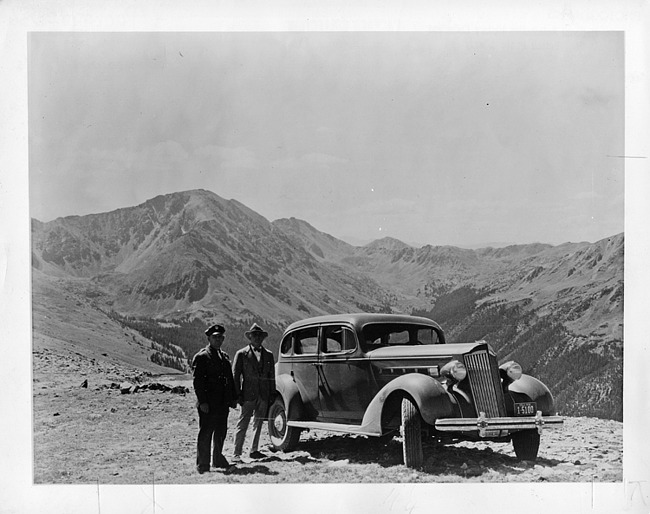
(194, 254)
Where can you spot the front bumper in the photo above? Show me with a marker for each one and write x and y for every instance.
(492, 427)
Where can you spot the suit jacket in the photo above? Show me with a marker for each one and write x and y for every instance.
(213, 380)
(254, 379)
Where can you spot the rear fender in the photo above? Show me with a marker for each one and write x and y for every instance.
(536, 391)
(288, 389)
(430, 396)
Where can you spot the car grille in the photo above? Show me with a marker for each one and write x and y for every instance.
(485, 382)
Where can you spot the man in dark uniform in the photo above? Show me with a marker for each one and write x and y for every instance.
(215, 392)
(254, 373)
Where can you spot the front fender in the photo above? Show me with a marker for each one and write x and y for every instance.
(536, 391)
(430, 396)
(288, 389)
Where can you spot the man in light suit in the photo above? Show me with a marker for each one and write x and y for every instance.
(254, 374)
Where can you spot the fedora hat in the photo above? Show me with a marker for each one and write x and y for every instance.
(256, 329)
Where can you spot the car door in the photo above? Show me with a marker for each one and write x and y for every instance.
(304, 368)
(345, 385)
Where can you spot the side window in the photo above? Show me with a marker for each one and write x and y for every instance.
(349, 341)
(332, 338)
(306, 341)
(337, 339)
(285, 347)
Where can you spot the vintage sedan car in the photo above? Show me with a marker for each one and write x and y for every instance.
(381, 375)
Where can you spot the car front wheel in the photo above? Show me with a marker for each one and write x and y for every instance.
(411, 434)
(526, 444)
(283, 437)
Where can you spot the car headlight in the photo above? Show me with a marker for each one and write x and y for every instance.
(455, 370)
(512, 370)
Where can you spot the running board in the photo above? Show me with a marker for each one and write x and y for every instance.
(333, 427)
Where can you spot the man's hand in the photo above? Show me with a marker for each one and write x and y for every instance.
(205, 408)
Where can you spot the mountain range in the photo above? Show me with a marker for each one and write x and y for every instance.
(194, 257)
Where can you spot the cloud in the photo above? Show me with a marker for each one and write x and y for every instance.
(389, 208)
(585, 195)
(166, 155)
(309, 161)
(213, 156)
(590, 97)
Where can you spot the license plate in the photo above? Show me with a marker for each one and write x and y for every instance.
(492, 433)
(525, 409)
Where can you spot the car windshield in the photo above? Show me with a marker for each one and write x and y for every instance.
(377, 335)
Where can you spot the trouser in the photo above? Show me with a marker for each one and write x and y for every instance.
(258, 409)
(212, 432)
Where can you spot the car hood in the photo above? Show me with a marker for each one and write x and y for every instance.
(429, 350)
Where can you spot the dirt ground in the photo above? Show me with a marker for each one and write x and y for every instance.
(97, 434)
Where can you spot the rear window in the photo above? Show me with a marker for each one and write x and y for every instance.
(384, 334)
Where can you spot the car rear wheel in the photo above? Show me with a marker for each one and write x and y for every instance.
(283, 437)
(411, 434)
(526, 444)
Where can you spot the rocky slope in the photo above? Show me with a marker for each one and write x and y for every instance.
(197, 253)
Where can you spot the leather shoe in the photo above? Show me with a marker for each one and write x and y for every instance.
(202, 470)
(256, 455)
(221, 463)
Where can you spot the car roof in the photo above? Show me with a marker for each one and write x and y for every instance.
(362, 318)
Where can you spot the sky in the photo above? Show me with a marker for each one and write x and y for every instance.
(458, 138)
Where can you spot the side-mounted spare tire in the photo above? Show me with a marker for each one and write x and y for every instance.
(411, 434)
(283, 437)
(526, 444)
